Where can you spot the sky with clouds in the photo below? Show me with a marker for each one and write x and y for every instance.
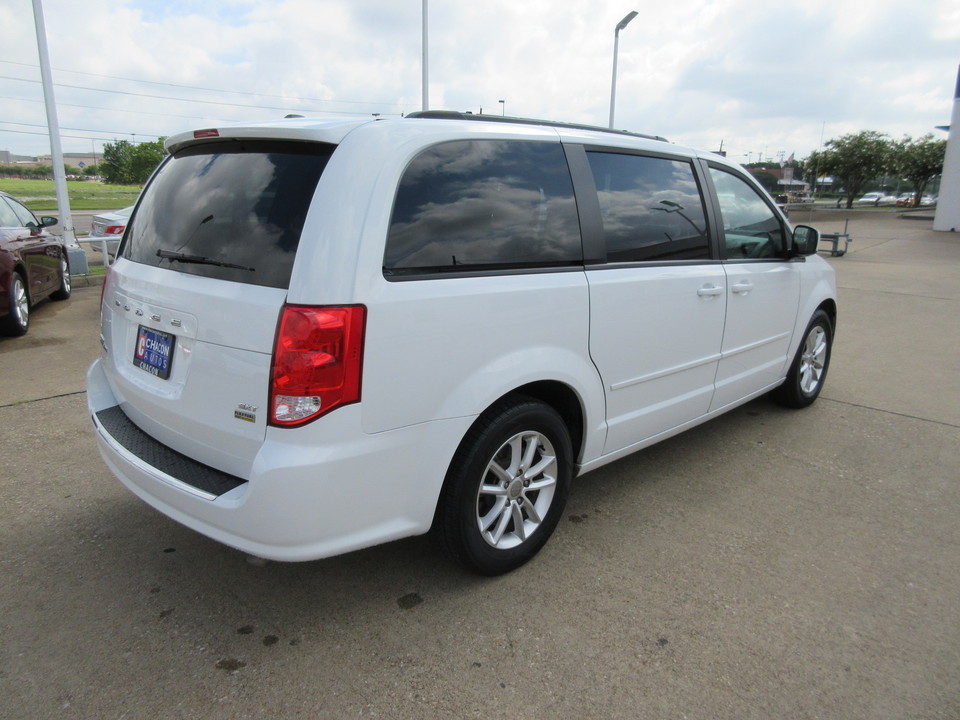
(763, 77)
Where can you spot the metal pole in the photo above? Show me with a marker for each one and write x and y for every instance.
(616, 47)
(56, 153)
(613, 83)
(947, 215)
(425, 62)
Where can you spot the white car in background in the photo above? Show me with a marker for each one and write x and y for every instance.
(109, 227)
(876, 198)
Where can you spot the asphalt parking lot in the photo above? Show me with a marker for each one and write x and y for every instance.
(769, 564)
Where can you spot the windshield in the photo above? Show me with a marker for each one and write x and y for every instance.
(234, 209)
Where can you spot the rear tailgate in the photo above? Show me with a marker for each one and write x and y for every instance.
(190, 308)
(189, 360)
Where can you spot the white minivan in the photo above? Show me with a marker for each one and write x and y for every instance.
(320, 335)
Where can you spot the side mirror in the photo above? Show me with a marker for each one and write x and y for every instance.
(806, 240)
(48, 221)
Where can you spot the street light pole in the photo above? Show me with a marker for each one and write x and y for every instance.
(53, 127)
(616, 46)
(425, 61)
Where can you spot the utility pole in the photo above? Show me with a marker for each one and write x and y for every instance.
(56, 152)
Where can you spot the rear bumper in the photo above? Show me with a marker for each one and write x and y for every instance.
(313, 492)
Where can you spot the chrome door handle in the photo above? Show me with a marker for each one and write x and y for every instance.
(710, 290)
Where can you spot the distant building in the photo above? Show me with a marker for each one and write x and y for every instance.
(80, 160)
(785, 179)
(8, 158)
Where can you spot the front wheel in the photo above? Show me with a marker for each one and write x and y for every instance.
(506, 487)
(809, 369)
(17, 321)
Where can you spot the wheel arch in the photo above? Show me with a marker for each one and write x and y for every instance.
(447, 529)
(829, 306)
(555, 394)
(20, 269)
(565, 401)
(10, 325)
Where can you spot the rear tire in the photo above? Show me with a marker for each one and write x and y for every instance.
(63, 292)
(506, 488)
(809, 368)
(17, 321)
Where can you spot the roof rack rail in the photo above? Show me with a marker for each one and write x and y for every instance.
(454, 115)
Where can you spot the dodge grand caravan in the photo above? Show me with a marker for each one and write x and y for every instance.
(320, 335)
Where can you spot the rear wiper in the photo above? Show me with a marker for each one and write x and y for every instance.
(199, 260)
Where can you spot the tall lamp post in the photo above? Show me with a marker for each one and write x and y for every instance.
(616, 46)
(53, 127)
(425, 61)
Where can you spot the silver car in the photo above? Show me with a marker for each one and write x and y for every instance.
(109, 228)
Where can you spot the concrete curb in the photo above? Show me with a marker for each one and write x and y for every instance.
(86, 280)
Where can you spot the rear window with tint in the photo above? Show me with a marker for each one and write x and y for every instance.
(477, 205)
(229, 210)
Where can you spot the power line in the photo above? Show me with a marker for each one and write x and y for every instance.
(155, 97)
(72, 137)
(112, 133)
(204, 89)
(287, 108)
(123, 110)
(165, 114)
(222, 104)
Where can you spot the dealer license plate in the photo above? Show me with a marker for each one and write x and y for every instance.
(154, 351)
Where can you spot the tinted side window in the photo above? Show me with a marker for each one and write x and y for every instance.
(651, 208)
(750, 227)
(484, 204)
(239, 204)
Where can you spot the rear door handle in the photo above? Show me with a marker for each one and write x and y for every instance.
(710, 290)
(743, 287)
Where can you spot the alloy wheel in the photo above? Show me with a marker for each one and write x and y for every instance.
(517, 489)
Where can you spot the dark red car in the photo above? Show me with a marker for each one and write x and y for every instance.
(33, 265)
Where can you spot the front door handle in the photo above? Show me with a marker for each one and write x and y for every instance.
(743, 287)
(710, 290)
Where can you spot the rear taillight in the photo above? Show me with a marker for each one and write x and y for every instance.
(317, 362)
(114, 229)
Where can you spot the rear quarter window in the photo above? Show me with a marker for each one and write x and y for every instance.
(484, 204)
(240, 206)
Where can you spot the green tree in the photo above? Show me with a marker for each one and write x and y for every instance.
(144, 159)
(125, 163)
(919, 161)
(115, 166)
(811, 169)
(769, 181)
(854, 160)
